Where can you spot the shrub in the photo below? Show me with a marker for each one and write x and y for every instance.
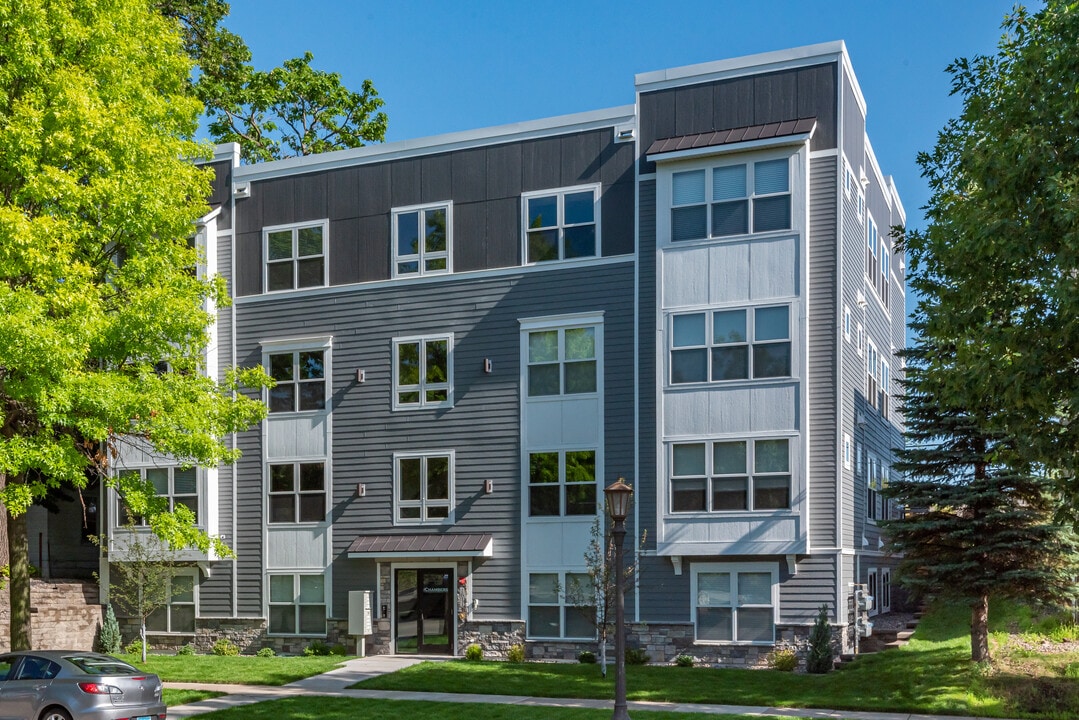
(587, 658)
(134, 647)
(316, 648)
(224, 646)
(819, 660)
(265, 652)
(684, 661)
(473, 652)
(187, 649)
(1072, 671)
(108, 640)
(337, 649)
(637, 656)
(516, 653)
(784, 660)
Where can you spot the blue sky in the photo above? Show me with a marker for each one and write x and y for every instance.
(448, 66)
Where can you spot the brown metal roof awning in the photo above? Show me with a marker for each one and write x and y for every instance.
(402, 546)
(714, 138)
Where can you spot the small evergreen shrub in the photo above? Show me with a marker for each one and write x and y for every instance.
(684, 661)
(637, 656)
(108, 640)
(587, 658)
(224, 646)
(266, 652)
(474, 653)
(785, 660)
(316, 648)
(819, 660)
(187, 649)
(134, 647)
(516, 653)
(337, 649)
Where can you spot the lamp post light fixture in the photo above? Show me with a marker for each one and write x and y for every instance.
(618, 498)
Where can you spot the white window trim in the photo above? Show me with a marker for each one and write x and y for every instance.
(423, 403)
(295, 575)
(750, 342)
(200, 490)
(324, 223)
(327, 491)
(597, 198)
(792, 455)
(560, 323)
(561, 516)
(846, 323)
(734, 569)
(873, 587)
(562, 604)
(450, 519)
(193, 573)
(297, 345)
(421, 254)
(846, 451)
(885, 590)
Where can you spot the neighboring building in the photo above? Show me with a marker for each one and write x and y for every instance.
(473, 334)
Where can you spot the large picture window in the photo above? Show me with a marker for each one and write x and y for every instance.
(295, 256)
(423, 372)
(297, 605)
(731, 475)
(177, 615)
(297, 492)
(561, 224)
(734, 603)
(560, 605)
(424, 488)
(562, 483)
(729, 200)
(735, 344)
(562, 361)
(300, 378)
(179, 485)
(422, 240)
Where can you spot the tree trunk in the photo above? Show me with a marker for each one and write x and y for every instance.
(3, 525)
(979, 630)
(19, 567)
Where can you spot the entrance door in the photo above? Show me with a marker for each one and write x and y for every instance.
(424, 612)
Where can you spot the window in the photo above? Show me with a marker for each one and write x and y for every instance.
(297, 605)
(422, 240)
(179, 485)
(724, 475)
(561, 225)
(737, 344)
(846, 323)
(871, 588)
(551, 609)
(562, 483)
(874, 501)
(423, 372)
(884, 388)
(861, 204)
(297, 492)
(872, 371)
(861, 339)
(177, 615)
(846, 451)
(295, 256)
(885, 590)
(562, 361)
(301, 381)
(424, 488)
(734, 603)
(731, 200)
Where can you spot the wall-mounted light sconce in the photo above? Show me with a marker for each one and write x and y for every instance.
(861, 300)
(488, 486)
(488, 366)
(864, 180)
(241, 190)
(361, 490)
(361, 375)
(624, 133)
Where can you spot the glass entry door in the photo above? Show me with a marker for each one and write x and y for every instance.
(424, 611)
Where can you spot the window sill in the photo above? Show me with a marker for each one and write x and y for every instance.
(696, 242)
(731, 514)
(565, 262)
(747, 382)
(734, 643)
(422, 407)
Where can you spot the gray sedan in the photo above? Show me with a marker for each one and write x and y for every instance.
(72, 685)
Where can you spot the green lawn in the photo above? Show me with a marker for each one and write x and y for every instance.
(183, 697)
(932, 674)
(236, 669)
(329, 708)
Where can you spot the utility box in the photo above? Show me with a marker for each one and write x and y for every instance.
(359, 617)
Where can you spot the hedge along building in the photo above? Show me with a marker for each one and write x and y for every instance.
(473, 334)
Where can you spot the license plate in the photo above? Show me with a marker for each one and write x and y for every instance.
(143, 717)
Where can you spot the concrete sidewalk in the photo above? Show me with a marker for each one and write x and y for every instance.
(336, 682)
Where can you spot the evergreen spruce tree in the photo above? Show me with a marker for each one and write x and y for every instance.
(820, 658)
(109, 640)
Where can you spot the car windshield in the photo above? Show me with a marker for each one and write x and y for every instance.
(98, 665)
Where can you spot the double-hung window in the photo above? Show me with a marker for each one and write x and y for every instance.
(874, 500)
(731, 200)
(423, 488)
(562, 361)
(882, 281)
(422, 240)
(179, 485)
(872, 370)
(301, 381)
(740, 344)
(734, 603)
(297, 605)
(297, 492)
(561, 224)
(561, 605)
(423, 372)
(295, 256)
(562, 482)
(726, 475)
(177, 615)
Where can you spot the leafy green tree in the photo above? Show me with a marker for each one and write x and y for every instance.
(97, 204)
(1001, 249)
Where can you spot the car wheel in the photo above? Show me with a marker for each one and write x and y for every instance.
(56, 713)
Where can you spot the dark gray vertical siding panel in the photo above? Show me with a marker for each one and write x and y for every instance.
(344, 251)
(541, 162)
(582, 154)
(818, 97)
(436, 178)
(664, 595)
(503, 172)
(504, 232)
(853, 127)
(655, 121)
(617, 164)
(694, 110)
(823, 380)
(374, 248)
(373, 191)
(404, 182)
(221, 192)
(469, 236)
(310, 192)
(343, 193)
(277, 199)
(802, 594)
(468, 172)
(775, 97)
(617, 219)
(249, 212)
(215, 592)
(248, 280)
(733, 103)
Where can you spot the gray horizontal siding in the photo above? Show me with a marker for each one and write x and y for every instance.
(215, 591)
(802, 594)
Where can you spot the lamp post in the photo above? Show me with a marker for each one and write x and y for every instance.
(618, 497)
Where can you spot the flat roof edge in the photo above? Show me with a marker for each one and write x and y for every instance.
(826, 50)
